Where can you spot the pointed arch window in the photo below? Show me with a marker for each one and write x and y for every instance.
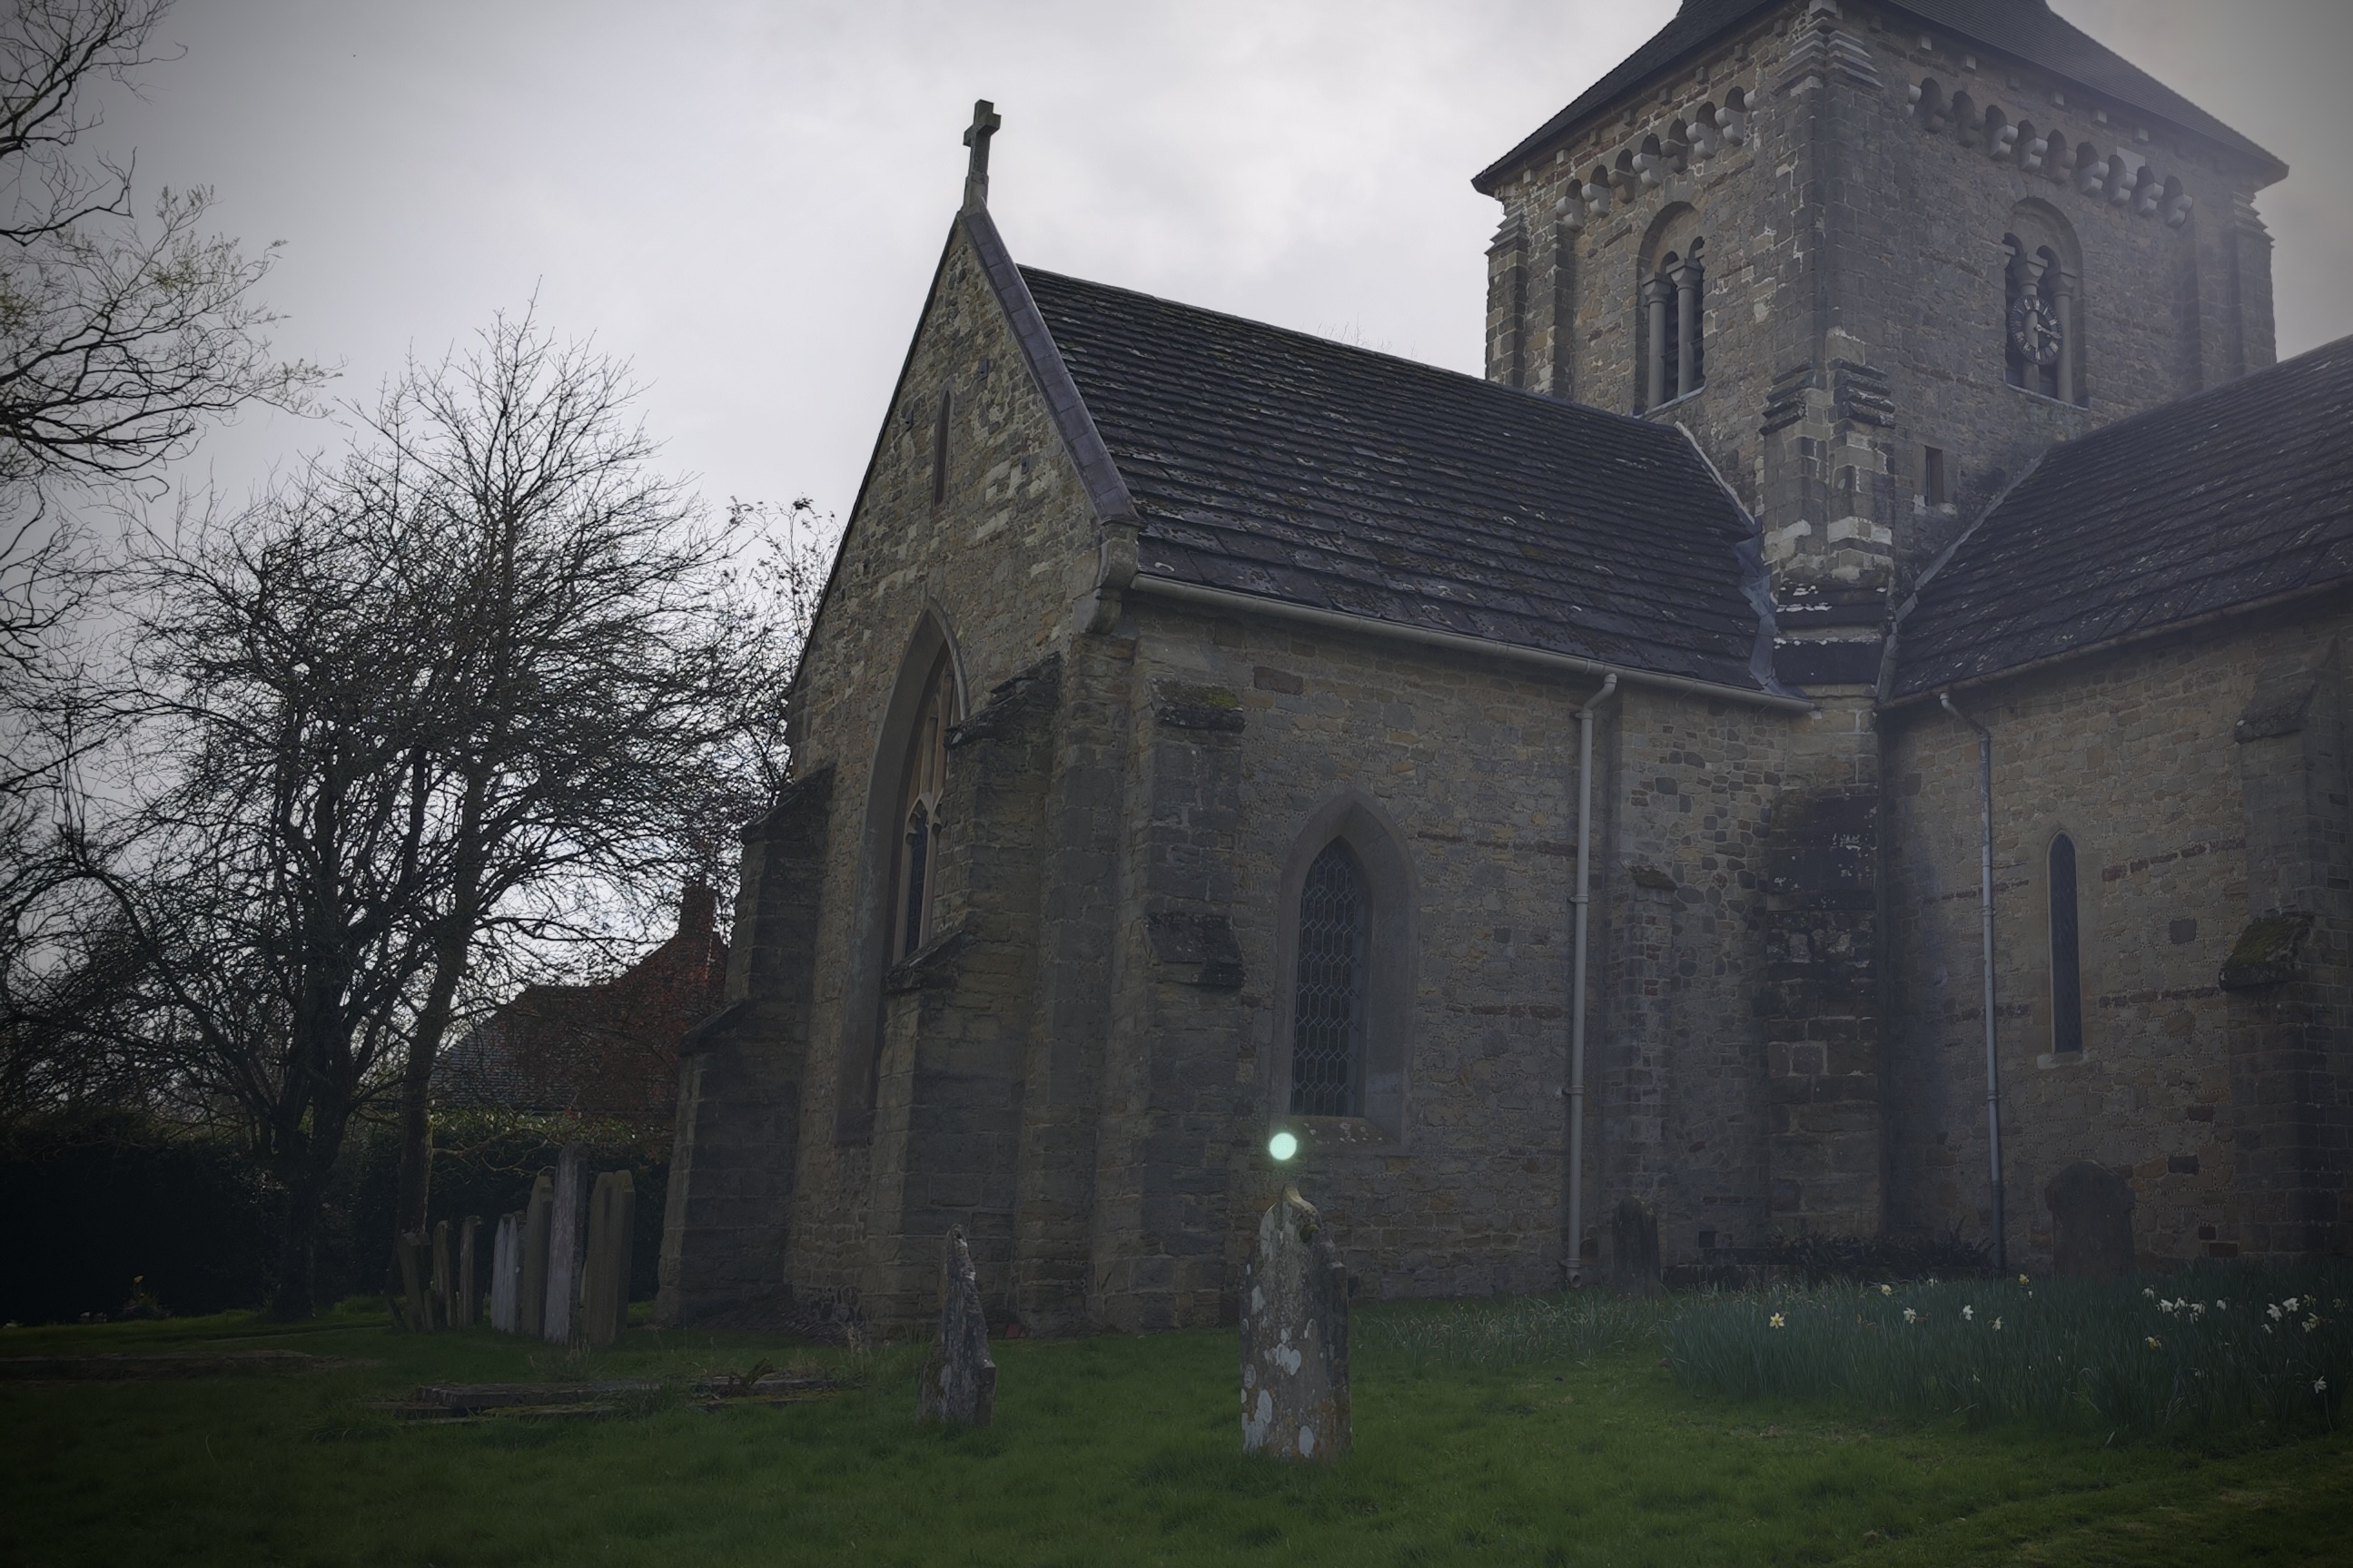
(919, 819)
(1328, 1013)
(2067, 953)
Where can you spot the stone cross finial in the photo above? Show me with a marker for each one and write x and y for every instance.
(985, 123)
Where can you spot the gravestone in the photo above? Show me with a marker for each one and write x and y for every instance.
(440, 1296)
(1295, 1323)
(1634, 1251)
(959, 1384)
(605, 1290)
(566, 1227)
(506, 1273)
(2091, 1222)
(530, 1302)
(409, 1252)
(469, 1310)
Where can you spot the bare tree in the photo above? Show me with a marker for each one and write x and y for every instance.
(258, 951)
(617, 689)
(117, 338)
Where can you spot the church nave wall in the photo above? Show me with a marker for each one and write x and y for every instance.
(2184, 830)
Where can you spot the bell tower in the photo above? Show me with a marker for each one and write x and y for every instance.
(1875, 258)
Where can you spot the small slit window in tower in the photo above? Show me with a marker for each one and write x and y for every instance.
(1327, 1028)
(940, 448)
(2066, 958)
(1934, 489)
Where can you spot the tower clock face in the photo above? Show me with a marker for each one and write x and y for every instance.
(2034, 330)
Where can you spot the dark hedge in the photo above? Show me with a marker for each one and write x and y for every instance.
(85, 1209)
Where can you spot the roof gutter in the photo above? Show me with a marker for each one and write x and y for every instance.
(1235, 602)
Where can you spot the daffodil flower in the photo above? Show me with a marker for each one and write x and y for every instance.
(2153, 1342)
(1777, 1321)
(1910, 1316)
(1997, 1325)
(1968, 1314)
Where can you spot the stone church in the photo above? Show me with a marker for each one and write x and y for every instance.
(1842, 730)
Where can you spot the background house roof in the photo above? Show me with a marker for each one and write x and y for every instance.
(1271, 462)
(2237, 496)
(2026, 30)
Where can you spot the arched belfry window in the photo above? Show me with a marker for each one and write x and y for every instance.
(1674, 323)
(919, 820)
(2067, 952)
(2042, 314)
(1327, 1014)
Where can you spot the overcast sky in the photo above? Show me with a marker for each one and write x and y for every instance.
(747, 199)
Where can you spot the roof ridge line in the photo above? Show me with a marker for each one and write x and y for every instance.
(1106, 486)
(1544, 398)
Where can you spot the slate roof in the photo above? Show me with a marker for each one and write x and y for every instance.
(2238, 496)
(2026, 30)
(1274, 463)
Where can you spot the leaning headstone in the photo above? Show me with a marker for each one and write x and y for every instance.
(2091, 1222)
(532, 1304)
(605, 1290)
(1634, 1251)
(506, 1273)
(559, 1319)
(468, 1307)
(439, 1298)
(959, 1384)
(1295, 1337)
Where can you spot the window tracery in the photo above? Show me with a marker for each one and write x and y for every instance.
(924, 779)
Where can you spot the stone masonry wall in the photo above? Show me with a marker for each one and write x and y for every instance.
(1855, 273)
(999, 561)
(2222, 1109)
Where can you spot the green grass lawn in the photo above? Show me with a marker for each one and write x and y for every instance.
(1105, 1452)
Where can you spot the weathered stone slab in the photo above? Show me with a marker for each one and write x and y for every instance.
(1634, 1251)
(538, 1222)
(559, 1320)
(959, 1380)
(441, 1294)
(2091, 1222)
(612, 1229)
(1294, 1332)
(506, 1274)
(468, 1308)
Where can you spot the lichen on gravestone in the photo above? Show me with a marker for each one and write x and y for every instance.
(959, 1384)
(1295, 1338)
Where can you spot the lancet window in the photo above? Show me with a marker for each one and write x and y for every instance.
(1328, 1013)
(920, 822)
(2067, 952)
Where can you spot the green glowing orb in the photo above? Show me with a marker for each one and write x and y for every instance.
(1283, 1145)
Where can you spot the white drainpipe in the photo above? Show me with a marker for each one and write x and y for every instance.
(1579, 900)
